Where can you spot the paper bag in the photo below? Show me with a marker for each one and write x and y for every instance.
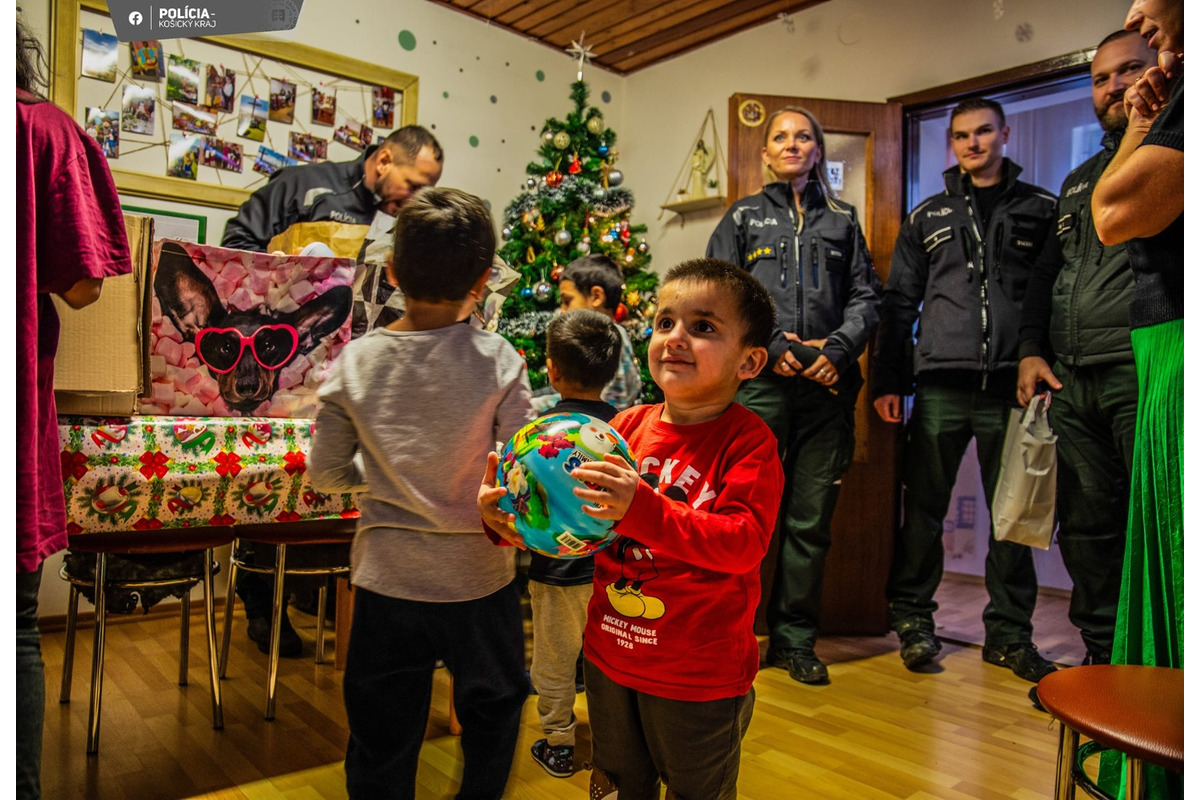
(344, 239)
(1023, 506)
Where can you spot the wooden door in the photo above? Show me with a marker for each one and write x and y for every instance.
(865, 140)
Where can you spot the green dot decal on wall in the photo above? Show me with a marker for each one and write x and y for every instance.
(445, 94)
(474, 140)
(408, 40)
(541, 76)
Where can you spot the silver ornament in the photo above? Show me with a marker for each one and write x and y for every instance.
(506, 233)
(531, 183)
(583, 248)
(543, 292)
(615, 176)
(562, 238)
(562, 140)
(595, 125)
(548, 136)
(643, 247)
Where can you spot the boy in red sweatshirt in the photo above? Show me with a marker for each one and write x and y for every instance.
(669, 641)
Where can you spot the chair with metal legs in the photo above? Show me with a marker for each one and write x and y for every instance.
(283, 535)
(1134, 710)
(141, 543)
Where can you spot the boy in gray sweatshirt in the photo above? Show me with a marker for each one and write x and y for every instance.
(407, 415)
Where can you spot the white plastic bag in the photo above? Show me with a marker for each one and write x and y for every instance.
(1023, 506)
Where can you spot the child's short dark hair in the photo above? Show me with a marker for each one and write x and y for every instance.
(585, 347)
(597, 270)
(753, 302)
(444, 242)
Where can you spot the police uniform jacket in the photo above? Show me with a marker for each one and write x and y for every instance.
(1079, 295)
(308, 193)
(819, 273)
(965, 282)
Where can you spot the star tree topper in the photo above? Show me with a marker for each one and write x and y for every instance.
(582, 52)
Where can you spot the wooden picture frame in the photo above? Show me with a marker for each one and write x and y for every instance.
(65, 22)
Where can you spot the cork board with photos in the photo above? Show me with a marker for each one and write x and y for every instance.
(207, 120)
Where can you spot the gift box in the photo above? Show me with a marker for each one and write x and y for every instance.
(236, 333)
(103, 359)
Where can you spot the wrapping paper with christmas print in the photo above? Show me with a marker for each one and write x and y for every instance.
(235, 333)
(145, 473)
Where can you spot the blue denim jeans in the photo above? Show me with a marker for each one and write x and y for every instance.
(31, 687)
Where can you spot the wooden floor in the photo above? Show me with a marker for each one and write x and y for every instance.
(961, 729)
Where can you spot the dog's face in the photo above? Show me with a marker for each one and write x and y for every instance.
(243, 350)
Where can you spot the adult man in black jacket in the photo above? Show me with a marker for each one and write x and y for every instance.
(961, 264)
(383, 179)
(1076, 317)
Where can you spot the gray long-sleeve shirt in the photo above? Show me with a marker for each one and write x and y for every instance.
(422, 409)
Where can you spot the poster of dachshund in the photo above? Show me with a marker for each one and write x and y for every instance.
(235, 333)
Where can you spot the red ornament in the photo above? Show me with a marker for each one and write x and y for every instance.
(557, 272)
(554, 178)
(625, 234)
(575, 166)
(621, 313)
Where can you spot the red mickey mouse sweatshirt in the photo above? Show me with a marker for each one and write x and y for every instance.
(674, 597)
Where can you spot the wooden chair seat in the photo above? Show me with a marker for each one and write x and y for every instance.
(174, 540)
(1134, 710)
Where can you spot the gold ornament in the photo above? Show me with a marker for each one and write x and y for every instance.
(562, 140)
(595, 124)
(529, 256)
(632, 298)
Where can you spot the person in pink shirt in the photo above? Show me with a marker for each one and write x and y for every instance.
(70, 236)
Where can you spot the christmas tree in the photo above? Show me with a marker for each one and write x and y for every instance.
(573, 204)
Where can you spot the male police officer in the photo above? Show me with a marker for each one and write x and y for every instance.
(1076, 317)
(961, 264)
(383, 179)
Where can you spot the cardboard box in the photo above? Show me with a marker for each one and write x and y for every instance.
(103, 360)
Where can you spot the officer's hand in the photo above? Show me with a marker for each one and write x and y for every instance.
(888, 407)
(1031, 371)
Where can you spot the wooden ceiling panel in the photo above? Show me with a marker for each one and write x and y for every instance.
(656, 20)
(667, 44)
(627, 35)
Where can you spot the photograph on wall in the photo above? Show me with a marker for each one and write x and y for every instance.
(268, 162)
(352, 133)
(137, 108)
(306, 147)
(183, 155)
(99, 55)
(383, 107)
(183, 79)
(193, 119)
(324, 106)
(220, 154)
(283, 101)
(218, 93)
(252, 118)
(237, 333)
(105, 127)
(145, 60)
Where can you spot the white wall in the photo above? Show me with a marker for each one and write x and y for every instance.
(867, 50)
(848, 49)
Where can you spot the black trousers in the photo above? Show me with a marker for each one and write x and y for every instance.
(394, 645)
(640, 740)
(1094, 415)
